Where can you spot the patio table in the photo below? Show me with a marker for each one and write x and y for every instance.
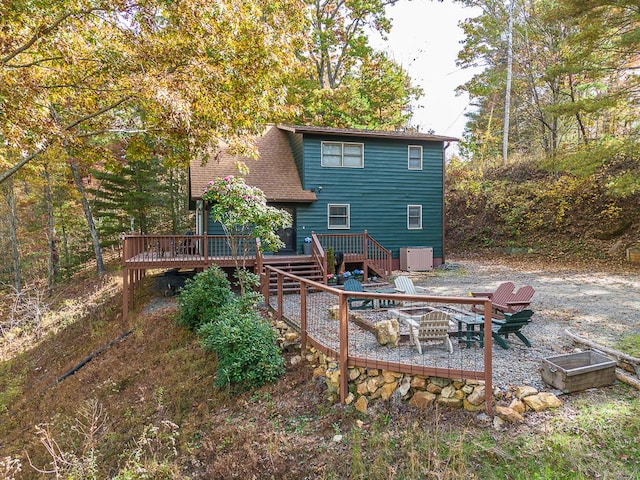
(387, 302)
(467, 332)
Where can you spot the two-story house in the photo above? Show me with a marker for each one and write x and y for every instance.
(333, 181)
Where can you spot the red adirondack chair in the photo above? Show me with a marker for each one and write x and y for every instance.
(506, 300)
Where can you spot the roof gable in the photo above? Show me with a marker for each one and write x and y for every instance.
(274, 173)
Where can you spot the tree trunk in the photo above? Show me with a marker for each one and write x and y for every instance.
(583, 131)
(12, 222)
(175, 215)
(65, 248)
(507, 95)
(54, 258)
(87, 212)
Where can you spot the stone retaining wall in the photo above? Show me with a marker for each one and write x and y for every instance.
(369, 384)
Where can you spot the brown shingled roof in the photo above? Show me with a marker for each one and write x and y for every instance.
(274, 172)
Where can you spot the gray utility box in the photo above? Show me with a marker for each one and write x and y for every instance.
(579, 371)
(416, 258)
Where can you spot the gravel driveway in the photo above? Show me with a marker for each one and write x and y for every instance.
(602, 307)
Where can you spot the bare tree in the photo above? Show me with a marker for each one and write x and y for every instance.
(89, 216)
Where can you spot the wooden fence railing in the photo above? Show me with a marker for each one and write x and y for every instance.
(309, 312)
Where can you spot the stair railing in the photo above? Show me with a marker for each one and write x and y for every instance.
(318, 256)
(378, 257)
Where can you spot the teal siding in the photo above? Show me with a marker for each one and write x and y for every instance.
(214, 228)
(378, 194)
(296, 142)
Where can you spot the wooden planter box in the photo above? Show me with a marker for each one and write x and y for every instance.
(579, 371)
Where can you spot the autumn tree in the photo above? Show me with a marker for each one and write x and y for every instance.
(78, 75)
(343, 81)
(571, 73)
(242, 212)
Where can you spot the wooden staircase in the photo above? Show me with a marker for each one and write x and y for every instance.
(300, 265)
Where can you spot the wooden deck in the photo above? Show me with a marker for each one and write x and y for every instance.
(183, 251)
(145, 252)
(154, 260)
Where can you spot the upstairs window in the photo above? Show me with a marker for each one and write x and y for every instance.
(340, 154)
(338, 216)
(414, 217)
(415, 157)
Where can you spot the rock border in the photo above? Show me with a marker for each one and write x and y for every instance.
(367, 385)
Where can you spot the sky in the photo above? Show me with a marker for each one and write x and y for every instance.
(425, 40)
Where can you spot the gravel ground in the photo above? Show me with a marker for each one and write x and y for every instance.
(602, 307)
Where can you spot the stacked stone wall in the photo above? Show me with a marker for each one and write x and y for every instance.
(367, 385)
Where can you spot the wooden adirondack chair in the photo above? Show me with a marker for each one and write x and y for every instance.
(505, 300)
(512, 323)
(405, 285)
(433, 326)
(519, 300)
(353, 285)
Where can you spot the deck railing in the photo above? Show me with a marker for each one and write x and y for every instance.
(359, 247)
(344, 340)
(146, 250)
(142, 252)
(318, 254)
(378, 257)
(159, 250)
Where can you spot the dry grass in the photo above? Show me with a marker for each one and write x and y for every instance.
(147, 405)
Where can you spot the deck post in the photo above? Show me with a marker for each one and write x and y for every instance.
(303, 316)
(344, 345)
(488, 366)
(125, 294)
(280, 295)
(265, 277)
(365, 251)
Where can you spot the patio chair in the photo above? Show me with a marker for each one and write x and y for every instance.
(353, 285)
(506, 300)
(520, 300)
(188, 245)
(512, 323)
(405, 285)
(433, 326)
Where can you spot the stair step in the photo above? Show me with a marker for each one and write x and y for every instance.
(301, 266)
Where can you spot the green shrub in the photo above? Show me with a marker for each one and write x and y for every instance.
(245, 344)
(202, 298)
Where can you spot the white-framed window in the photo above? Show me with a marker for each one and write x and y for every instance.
(338, 216)
(414, 217)
(342, 154)
(415, 157)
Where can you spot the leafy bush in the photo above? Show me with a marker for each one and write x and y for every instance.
(245, 344)
(231, 327)
(202, 298)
